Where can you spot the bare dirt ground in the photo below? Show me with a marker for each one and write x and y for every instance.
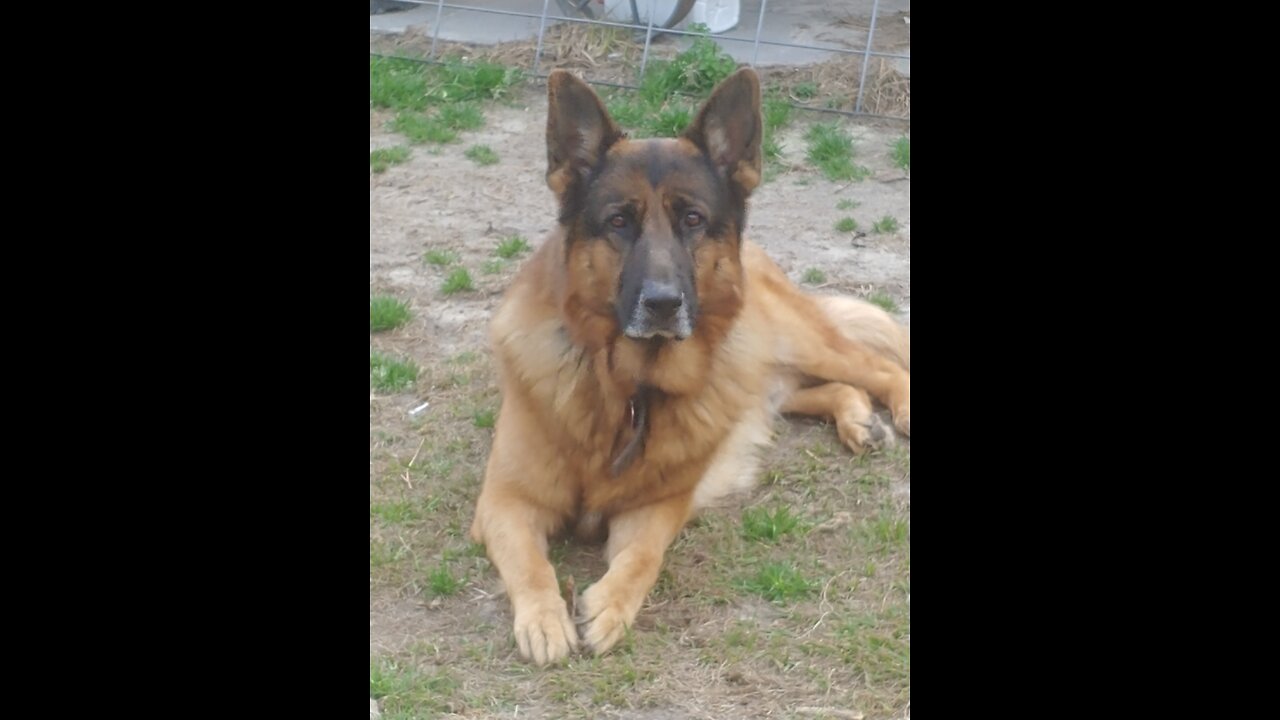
(707, 644)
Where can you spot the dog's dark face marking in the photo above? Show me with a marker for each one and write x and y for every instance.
(651, 208)
(655, 202)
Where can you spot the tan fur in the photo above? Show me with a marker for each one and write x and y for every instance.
(567, 376)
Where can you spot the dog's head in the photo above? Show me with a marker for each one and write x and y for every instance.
(653, 228)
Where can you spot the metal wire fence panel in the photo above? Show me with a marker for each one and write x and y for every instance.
(861, 81)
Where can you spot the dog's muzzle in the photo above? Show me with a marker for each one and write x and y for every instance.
(660, 311)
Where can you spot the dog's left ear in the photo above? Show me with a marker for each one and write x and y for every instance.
(729, 128)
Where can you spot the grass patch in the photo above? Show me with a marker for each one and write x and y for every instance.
(629, 112)
(813, 276)
(442, 127)
(395, 512)
(405, 692)
(383, 158)
(397, 84)
(387, 313)
(884, 301)
(441, 258)
(482, 155)
(846, 224)
(777, 113)
(672, 120)
(380, 554)
(407, 85)
(847, 204)
(768, 525)
(459, 81)
(463, 116)
(805, 90)
(664, 105)
(493, 267)
(900, 151)
(458, 281)
(387, 374)
(779, 582)
(879, 645)
(442, 582)
(772, 150)
(830, 149)
(419, 128)
(666, 118)
(886, 224)
(695, 71)
(512, 246)
(483, 418)
(886, 532)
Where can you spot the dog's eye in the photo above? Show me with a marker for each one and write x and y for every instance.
(618, 221)
(693, 219)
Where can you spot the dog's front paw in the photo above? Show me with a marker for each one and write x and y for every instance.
(604, 618)
(544, 631)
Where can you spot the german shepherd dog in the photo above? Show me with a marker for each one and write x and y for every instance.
(644, 351)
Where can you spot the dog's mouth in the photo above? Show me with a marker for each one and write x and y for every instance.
(639, 334)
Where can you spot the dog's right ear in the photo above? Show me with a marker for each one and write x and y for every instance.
(579, 131)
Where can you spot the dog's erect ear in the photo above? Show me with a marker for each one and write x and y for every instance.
(579, 130)
(729, 128)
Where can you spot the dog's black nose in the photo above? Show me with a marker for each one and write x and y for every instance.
(661, 299)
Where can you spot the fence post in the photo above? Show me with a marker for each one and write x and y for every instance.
(755, 52)
(866, 56)
(435, 31)
(648, 34)
(542, 27)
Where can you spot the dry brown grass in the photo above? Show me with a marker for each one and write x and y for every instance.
(836, 83)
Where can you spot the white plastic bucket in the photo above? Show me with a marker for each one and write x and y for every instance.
(718, 15)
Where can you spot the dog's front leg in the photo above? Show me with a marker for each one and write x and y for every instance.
(514, 532)
(638, 539)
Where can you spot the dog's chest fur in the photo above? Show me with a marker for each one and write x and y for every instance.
(588, 418)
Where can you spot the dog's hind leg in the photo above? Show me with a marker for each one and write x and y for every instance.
(837, 341)
(820, 351)
(850, 407)
(869, 325)
(638, 540)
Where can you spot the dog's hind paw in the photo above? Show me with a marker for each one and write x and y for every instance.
(872, 434)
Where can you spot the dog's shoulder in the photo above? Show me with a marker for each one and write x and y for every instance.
(527, 331)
